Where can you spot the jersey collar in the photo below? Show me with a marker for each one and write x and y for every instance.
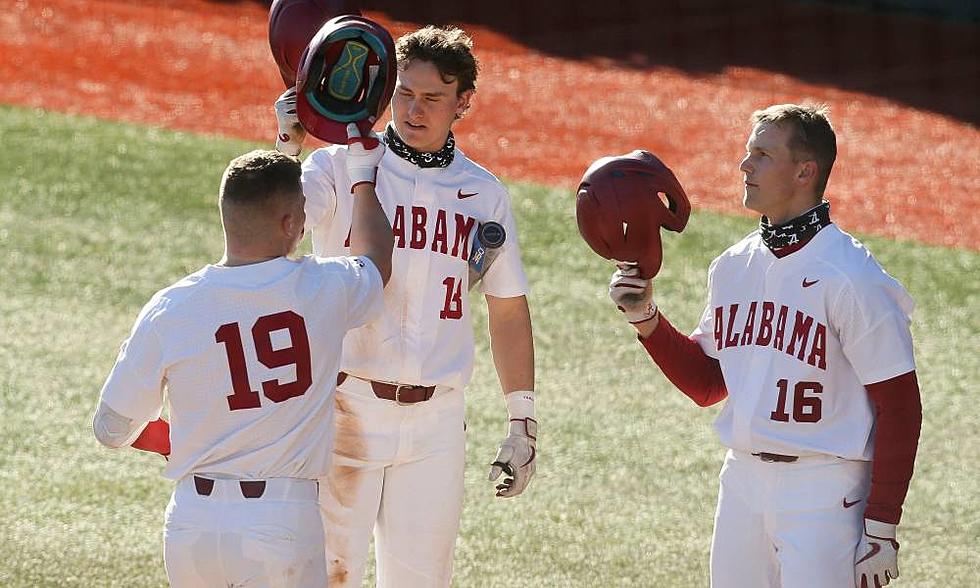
(253, 274)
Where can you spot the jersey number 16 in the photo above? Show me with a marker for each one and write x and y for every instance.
(297, 353)
(806, 408)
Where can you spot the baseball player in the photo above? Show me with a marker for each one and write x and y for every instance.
(399, 449)
(248, 350)
(808, 338)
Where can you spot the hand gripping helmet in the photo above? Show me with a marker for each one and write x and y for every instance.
(292, 24)
(622, 203)
(347, 75)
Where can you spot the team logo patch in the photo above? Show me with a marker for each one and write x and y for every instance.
(346, 76)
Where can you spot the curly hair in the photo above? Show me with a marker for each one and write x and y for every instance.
(450, 49)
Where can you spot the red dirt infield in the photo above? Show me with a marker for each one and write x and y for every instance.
(903, 171)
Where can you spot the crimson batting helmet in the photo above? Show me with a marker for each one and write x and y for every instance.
(621, 206)
(347, 75)
(293, 23)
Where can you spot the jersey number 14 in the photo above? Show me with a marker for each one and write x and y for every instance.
(297, 354)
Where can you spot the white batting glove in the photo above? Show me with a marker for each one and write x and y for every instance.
(517, 452)
(363, 156)
(876, 558)
(516, 458)
(291, 133)
(632, 294)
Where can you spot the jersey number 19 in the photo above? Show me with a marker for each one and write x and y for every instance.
(297, 353)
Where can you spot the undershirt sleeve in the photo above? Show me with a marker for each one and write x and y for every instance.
(898, 419)
(685, 364)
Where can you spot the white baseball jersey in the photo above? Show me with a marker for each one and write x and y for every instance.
(249, 358)
(424, 336)
(798, 338)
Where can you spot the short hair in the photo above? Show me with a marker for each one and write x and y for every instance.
(258, 176)
(450, 49)
(812, 135)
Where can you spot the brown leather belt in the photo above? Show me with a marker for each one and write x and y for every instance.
(250, 488)
(400, 393)
(770, 457)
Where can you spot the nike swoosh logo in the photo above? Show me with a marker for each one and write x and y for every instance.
(850, 504)
(461, 195)
(875, 548)
(807, 284)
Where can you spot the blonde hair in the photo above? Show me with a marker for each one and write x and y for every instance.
(812, 135)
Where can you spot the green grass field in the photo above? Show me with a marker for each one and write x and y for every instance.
(95, 217)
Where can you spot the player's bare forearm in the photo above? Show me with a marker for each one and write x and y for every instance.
(370, 230)
(511, 342)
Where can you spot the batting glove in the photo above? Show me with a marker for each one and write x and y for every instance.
(363, 156)
(516, 458)
(291, 133)
(632, 294)
(876, 558)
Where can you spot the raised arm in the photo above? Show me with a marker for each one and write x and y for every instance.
(370, 229)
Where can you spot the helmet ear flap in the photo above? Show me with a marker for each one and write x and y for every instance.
(678, 211)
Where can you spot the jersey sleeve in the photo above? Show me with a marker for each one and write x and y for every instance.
(506, 278)
(365, 290)
(319, 188)
(703, 334)
(873, 318)
(134, 388)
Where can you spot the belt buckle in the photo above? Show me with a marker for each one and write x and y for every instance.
(398, 394)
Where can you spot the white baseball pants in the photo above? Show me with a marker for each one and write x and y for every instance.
(225, 539)
(397, 469)
(788, 524)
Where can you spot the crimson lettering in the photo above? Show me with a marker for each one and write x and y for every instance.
(732, 339)
(777, 340)
(747, 329)
(418, 227)
(463, 230)
(801, 332)
(439, 236)
(807, 336)
(718, 327)
(398, 227)
(420, 234)
(818, 353)
(765, 329)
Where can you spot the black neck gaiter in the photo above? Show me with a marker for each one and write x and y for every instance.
(440, 158)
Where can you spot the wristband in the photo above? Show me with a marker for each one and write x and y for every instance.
(520, 404)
